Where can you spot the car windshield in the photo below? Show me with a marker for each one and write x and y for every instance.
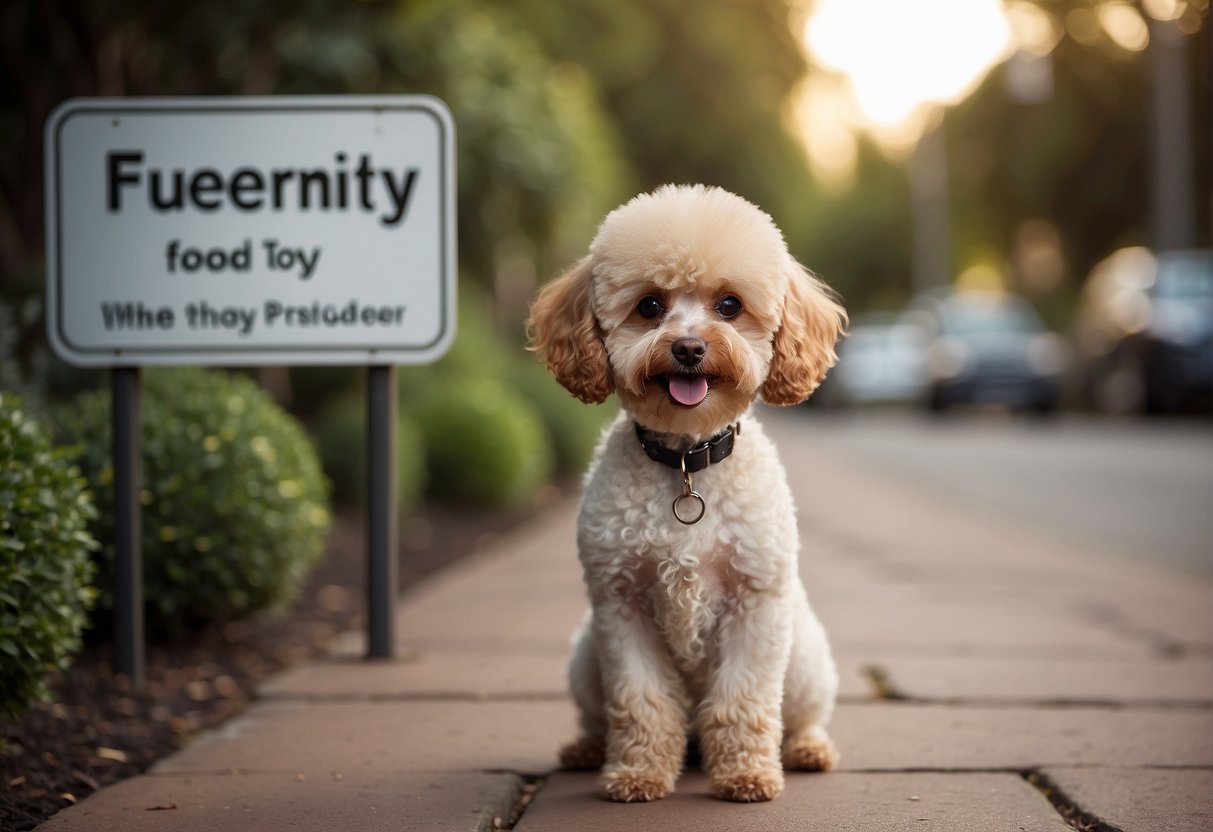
(971, 317)
(1185, 278)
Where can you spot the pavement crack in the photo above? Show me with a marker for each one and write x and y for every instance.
(528, 785)
(1073, 814)
(413, 696)
(884, 691)
(1116, 621)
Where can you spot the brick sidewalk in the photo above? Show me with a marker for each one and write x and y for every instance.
(985, 666)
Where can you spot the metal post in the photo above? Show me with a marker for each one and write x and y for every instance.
(1172, 180)
(381, 510)
(128, 524)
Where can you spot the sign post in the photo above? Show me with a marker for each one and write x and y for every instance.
(128, 524)
(382, 524)
(251, 231)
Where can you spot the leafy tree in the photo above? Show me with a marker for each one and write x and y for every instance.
(538, 158)
(1079, 159)
(697, 95)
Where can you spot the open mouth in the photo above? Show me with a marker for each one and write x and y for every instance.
(686, 389)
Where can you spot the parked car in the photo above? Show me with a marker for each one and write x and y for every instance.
(883, 360)
(1144, 332)
(988, 347)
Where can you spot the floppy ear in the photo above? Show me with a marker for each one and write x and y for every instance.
(812, 322)
(562, 327)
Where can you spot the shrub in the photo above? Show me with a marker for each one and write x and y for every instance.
(45, 565)
(234, 502)
(573, 426)
(340, 433)
(485, 446)
(478, 351)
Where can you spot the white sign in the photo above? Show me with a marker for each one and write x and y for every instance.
(250, 230)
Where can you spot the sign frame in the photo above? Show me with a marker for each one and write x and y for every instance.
(232, 352)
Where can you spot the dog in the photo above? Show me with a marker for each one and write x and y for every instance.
(689, 307)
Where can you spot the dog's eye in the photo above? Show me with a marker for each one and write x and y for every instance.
(649, 307)
(729, 306)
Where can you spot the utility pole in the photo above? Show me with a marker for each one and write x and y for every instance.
(1172, 196)
(932, 265)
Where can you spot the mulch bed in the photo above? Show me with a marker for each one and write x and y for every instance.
(96, 730)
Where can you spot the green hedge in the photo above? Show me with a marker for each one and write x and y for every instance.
(573, 427)
(518, 381)
(235, 509)
(45, 561)
(485, 446)
(340, 433)
(492, 426)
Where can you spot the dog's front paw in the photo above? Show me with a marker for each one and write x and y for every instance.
(632, 786)
(748, 786)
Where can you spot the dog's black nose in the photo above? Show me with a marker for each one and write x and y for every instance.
(689, 351)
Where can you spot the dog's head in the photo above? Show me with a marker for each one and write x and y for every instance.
(688, 306)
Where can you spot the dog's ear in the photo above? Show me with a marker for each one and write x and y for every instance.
(812, 323)
(562, 327)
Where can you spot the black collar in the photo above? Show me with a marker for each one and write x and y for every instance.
(696, 458)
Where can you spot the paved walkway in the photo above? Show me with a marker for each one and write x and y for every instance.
(986, 669)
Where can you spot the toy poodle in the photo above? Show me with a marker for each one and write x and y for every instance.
(689, 307)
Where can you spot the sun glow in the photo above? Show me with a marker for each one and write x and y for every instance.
(898, 62)
(899, 55)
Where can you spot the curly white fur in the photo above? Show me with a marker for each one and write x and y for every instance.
(706, 628)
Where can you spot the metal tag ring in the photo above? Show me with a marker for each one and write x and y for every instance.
(690, 520)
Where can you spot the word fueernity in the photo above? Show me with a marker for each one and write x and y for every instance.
(336, 188)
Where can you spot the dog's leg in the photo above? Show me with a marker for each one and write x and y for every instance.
(646, 706)
(809, 692)
(588, 751)
(740, 725)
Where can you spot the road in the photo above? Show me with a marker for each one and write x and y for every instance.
(1143, 489)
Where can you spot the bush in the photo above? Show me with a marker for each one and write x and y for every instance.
(45, 566)
(234, 502)
(573, 426)
(478, 351)
(340, 433)
(481, 352)
(485, 446)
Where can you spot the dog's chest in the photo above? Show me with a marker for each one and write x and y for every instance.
(688, 580)
(687, 598)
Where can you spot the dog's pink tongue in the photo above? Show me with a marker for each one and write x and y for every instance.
(688, 390)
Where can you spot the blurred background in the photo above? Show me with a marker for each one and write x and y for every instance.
(1050, 158)
(1012, 196)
